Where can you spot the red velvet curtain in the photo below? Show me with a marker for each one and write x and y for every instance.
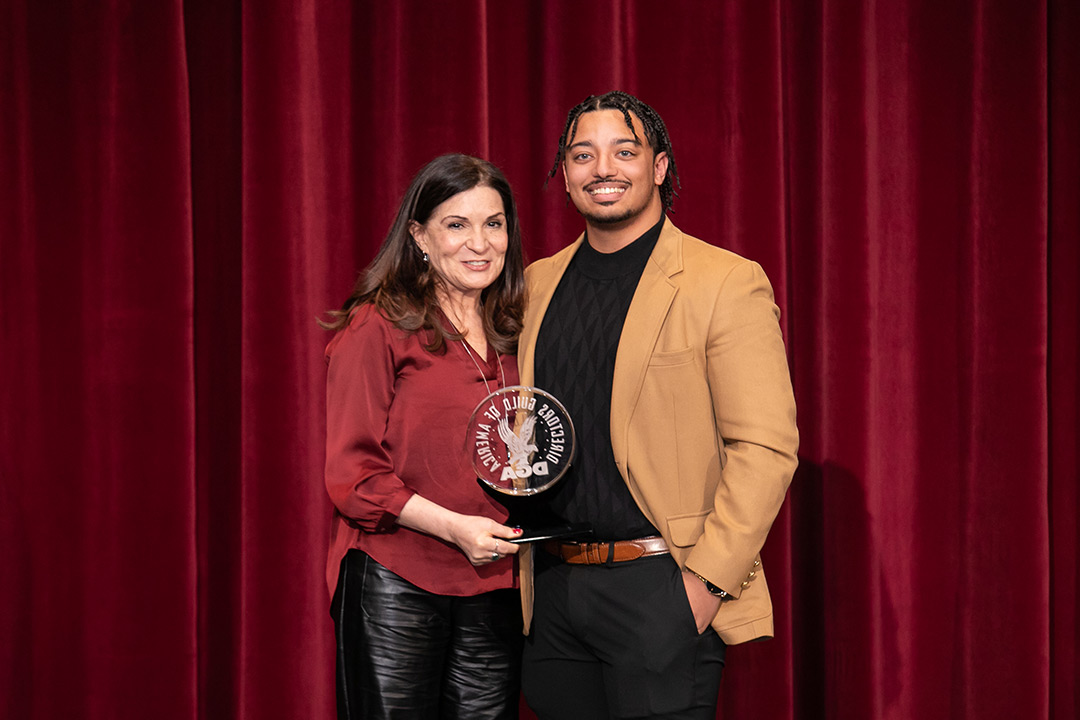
(185, 186)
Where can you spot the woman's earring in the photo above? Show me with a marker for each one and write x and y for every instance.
(425, 258)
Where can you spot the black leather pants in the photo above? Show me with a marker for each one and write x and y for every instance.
(403, 652)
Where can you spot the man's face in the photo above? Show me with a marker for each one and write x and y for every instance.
(611, 176)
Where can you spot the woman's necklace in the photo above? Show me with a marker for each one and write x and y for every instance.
(465, 344)
(498, 361)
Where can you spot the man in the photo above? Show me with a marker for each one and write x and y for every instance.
(668, 354)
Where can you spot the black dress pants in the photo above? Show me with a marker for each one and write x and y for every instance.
(403, 652)
(618, 641)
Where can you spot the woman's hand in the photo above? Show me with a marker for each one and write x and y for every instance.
(480, 538)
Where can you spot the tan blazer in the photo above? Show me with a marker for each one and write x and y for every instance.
(702, 414)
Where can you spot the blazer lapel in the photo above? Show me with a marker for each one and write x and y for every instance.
(543, 279)
(644, 320)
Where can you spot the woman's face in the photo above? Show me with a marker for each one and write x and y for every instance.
(465, 240)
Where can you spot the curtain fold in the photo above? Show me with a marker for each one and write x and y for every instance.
(1063, 273)
(186, 186)
(96, 411)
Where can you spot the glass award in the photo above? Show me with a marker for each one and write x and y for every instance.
(521, 442)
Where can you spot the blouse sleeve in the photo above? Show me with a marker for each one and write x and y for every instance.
(360, 477)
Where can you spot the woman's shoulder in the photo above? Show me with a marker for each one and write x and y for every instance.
(365, 324)
(366, 314)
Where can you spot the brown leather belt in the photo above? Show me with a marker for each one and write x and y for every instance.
(599, 553)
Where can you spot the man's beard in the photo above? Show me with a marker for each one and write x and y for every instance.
(625, 214)
(609, 219)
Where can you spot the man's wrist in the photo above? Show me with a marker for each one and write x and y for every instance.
(713, 589)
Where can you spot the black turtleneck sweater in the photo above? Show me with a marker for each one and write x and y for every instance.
(575, 362)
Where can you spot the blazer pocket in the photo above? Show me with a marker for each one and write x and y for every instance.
(672, 357)
(686, 529)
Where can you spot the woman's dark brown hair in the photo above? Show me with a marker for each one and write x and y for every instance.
(402, 287)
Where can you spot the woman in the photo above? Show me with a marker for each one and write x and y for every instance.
(427, 621)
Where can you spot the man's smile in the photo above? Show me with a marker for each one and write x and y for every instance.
(606, 189)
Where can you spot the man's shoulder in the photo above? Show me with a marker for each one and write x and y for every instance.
(539, 269)
(701, 256)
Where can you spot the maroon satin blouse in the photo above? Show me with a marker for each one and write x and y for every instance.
(395, 426)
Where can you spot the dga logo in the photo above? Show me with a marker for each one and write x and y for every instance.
(520, 449)
(522, 440)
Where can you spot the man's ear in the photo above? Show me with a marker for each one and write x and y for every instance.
(660, 165)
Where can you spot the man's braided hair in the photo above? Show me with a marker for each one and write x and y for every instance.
(655, 132)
